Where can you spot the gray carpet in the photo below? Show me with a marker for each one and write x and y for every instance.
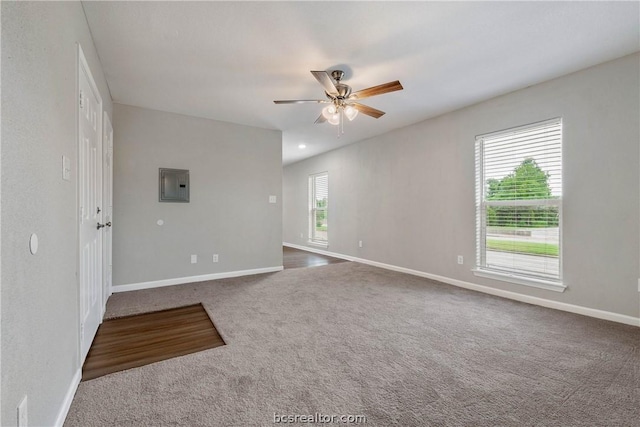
(353, 339)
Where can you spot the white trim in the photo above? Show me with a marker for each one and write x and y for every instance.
(571, 308)
(517, 129)
(319, 244)
(192, 279)
(520, 280)
(107, 176)
(68, 398)
(319, 251)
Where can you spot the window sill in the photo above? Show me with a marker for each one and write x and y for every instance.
(549, 285)
(320, 245)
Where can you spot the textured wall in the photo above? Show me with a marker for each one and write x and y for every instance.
(409, 194)
(233, 170)
(40, 292)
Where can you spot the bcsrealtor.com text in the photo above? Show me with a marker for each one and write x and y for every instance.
(318, 418)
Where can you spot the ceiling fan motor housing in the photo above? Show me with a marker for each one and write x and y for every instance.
(343, 90)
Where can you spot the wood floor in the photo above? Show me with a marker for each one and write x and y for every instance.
(134, 341)
(296, 258)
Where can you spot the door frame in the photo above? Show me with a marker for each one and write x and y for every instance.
(107, 208)
(83, 66)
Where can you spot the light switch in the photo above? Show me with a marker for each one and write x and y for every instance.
(66, 168)
(272, 199)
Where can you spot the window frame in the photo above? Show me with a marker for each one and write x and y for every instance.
(505, 274)
(313, 209)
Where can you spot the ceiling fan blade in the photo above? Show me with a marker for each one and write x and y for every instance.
(369, 111)
(377, 90)
(301, 101)
(320, 119)
(326, 82)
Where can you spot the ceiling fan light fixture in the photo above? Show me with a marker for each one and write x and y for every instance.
(334, 119)
(329, 111)
(351, 112)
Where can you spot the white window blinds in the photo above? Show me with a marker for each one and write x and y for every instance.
(519, 195)
(318, 208)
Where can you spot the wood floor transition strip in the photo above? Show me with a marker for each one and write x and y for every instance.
(138, 340)
(296, 258)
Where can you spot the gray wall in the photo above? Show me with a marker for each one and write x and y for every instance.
(233, 170)
(40, 292)
(409, 194)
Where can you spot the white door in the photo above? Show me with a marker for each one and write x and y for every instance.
(90, 204)
(107, 209)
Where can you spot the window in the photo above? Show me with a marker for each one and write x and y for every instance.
(519, 205)
(318, 205)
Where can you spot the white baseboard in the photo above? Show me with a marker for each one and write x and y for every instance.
(68, 398)
(193, 279)
(319, 251)
(571, 308)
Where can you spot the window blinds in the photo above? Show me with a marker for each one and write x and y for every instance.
(519, 192)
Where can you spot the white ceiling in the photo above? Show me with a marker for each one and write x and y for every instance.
(229, 60)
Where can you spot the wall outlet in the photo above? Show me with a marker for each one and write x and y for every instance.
(22, 412)
(359, 243)
(272, 199)
(460, 259)
(194, 259)
(215, 257)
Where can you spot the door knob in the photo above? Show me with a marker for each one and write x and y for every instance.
(100, 226)
(108, 224)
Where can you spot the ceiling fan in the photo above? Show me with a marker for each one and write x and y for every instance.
(342, 100)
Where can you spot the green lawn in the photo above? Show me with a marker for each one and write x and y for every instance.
(530, 248)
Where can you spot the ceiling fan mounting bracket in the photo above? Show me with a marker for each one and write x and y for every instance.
(337, 75)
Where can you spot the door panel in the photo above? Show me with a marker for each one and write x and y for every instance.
(90, 201)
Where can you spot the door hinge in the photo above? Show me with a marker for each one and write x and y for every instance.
(81, 100)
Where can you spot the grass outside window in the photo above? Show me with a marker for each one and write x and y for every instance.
(529, 248)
